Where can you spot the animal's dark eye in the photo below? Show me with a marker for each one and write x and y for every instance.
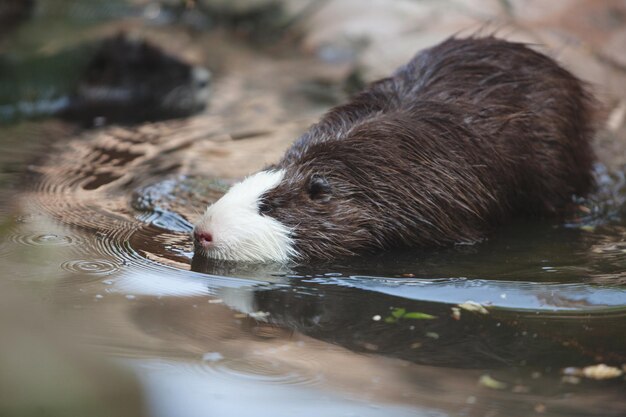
(264, 207)
(319, 188)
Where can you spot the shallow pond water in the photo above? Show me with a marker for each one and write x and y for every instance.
(101, 225)
(96, 230)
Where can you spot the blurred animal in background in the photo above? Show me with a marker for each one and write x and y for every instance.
(130, 80)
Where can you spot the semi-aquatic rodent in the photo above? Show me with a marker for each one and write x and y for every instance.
(468, 135)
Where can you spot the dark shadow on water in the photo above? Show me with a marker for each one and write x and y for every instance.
(418, 318)
(365, 321)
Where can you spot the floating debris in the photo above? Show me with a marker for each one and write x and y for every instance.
(456, 313)
(572, 374)
(601, 371)
(489, 382)
(474, 306)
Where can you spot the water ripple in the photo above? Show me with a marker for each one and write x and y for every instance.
(267, 370)
(46, 239)
(91, 266)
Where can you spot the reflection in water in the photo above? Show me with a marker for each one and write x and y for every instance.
(358, 313)
(257, 350)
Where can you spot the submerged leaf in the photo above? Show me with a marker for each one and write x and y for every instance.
(419, 316)
(401, 313)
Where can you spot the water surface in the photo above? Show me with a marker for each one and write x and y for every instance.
(96, 234)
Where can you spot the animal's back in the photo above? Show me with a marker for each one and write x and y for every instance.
(537, 113)
(532, 116)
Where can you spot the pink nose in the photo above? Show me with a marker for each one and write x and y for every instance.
(203, 238)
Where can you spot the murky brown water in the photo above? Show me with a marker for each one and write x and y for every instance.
(95, 238)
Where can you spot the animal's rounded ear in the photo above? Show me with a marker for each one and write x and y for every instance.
(319, 188)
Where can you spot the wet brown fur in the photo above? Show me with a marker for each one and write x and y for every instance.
(467, 135)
